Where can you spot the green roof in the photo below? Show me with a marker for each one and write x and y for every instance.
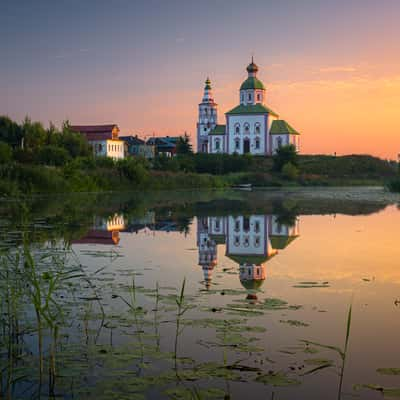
(252, 284)
(218, 130)
(219, 239)
(281, 127)
(252, 109)
(256, 260)
(280, 242)
(252, 83)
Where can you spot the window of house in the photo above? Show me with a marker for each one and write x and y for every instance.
(257, 241)
(246, 224)
(237, 241)
(242, 98)
(237, 144)
(257, 226)
(237, 129)
(257, 129)
(249, 271)
(217, 225)
(257, 143)
(258, 97)
(249, 97)
(246, 242)
(217, 144)
(237, 225)
(247, 128)
(205, 129)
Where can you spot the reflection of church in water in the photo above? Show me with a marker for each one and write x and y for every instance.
(250, 241)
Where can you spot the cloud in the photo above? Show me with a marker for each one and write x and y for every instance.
(179, 40)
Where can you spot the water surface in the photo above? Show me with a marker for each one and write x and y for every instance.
(199, 295)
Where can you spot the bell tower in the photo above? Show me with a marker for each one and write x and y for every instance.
(207, 118)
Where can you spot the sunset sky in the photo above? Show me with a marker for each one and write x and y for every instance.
(331, 68)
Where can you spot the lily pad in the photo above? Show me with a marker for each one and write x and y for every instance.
(277, 379)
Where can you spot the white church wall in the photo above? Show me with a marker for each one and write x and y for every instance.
(247, 242)
(251, 120)
(214, 148)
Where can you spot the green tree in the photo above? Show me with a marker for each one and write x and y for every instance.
(290, 171)
(5, 153)
(285, 154)
(183, 145)
(34, 134)
(52, 155)
(10, 132)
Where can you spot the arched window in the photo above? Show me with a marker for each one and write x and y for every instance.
(257, 128)
(257, 143)
(237, 144)
(237, 241)
(246, 128)
(237, 225)
(257, 226)
(246, 241)
(258, 97)
(249, 97)
(242, 98)
(257, 241)
(206, 111)
(217, 144)
(279, 142)
(237, 129)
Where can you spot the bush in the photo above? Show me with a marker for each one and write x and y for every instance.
(5, 153)
(394, 185)
(52, 155)
(289, 171)
(284, 155)
(133, 169)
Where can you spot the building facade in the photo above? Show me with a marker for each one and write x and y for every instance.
(250, 128)
(136, 147)
(104, 140)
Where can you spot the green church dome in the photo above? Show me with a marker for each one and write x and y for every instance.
(252, 83)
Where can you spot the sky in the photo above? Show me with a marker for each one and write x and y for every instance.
(331, 67)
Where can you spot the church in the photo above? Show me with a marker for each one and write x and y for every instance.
(250, 128)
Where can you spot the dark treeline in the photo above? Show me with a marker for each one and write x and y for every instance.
(35, 159)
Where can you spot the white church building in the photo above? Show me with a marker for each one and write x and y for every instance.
(250, 128)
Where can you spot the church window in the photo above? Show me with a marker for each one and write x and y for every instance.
(242, 98)
(249, 271)
(237, 241)
(205, 129)
(257, 128)
(206, 111)
(217, 225)
(279, 142)
(258, 97)
(237, 129)
(249, 97)
(246, 242)
(257, 226)
(257, 143)
(246, 224)
(217, 144)
(257, 241)
(237, 225)
(246, 128)
(237, 144)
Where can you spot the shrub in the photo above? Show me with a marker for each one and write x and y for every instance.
(52, 155)
(394, 185)
(289, 171)
(5, 153)
(284, 155)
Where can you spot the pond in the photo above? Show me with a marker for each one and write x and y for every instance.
(199, 295)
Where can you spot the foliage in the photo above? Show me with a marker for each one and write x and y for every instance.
(394, 185)
(183, 145)
(284, 155)
(52, 155)
(5, 153)
(10, 132)
(289, 171)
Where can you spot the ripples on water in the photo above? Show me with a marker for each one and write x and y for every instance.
(199, 296)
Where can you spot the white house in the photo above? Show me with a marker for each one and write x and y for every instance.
(250, 128)
(104, 140)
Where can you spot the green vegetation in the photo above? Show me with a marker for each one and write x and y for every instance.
(34, 159)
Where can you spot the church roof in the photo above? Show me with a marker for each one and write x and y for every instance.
(280, 242)
(218, 130)
(252, 109)
(281, 127)
(252, 83)
(250, 259)
(252, 284)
